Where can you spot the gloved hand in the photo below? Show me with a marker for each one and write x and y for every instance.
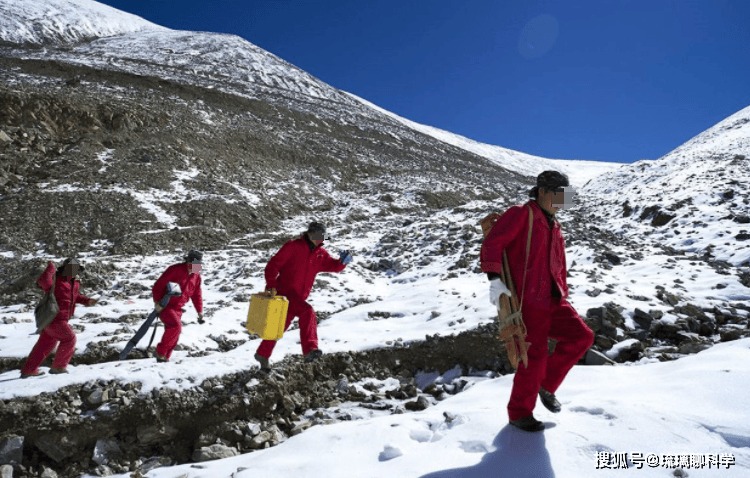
(200, 319)
(271, 292)
(345, 257)
(497, 288)
(158, 307)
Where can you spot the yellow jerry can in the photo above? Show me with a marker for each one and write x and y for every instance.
(267, 316)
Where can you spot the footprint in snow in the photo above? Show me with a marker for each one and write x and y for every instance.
(475, 446)
(596, 411)
(389, 453)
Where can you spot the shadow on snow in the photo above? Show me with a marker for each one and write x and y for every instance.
(517, 454)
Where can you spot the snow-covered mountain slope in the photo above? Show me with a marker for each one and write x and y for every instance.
(696, 198)
(227, 63)
(153, 141)
(647, 420)
(578, 171)
(64, 21)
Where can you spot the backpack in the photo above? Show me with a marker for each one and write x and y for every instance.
(47, 309)
(487, 223)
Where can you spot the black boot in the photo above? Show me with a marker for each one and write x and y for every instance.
(313, 355)
(549, 401)
(528, 424)
(265, 364)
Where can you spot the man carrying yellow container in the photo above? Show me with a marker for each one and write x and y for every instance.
(291, 273)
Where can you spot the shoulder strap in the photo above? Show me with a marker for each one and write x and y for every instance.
(526, 263)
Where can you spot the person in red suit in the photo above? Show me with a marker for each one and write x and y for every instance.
(67, 294)
(545, 310)
(291, 273)
(187, 275)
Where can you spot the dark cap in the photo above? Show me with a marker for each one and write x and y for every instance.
(194, 257)
(316, 227)
(549, 180)
(71, 261)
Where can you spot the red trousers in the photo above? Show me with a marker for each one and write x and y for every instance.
(556, 319)
(308, 328)
(56, 332)
(171, 318)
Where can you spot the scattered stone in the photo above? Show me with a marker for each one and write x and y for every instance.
(613, 258)
(148, 434)
(628, 350)
(258, 441)
(11, 449)
(106, 450)
(730, 335)
(594, 357)
(57, 447)
(48, 473)
(643, 319)
(421, 403)
(214, 452)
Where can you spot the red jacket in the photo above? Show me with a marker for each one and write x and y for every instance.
(66, 292)
(190, 284)
(292, 270)
(547, 270)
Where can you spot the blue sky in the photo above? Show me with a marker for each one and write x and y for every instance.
(611, 80)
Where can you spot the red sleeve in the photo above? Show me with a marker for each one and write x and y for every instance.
(160, 286)
(82, 299)
(507, 227)
(48, 276)
(276, 263)
(329, 264)
(197, 297)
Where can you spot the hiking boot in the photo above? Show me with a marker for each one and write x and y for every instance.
(160, 358)
(265, 365)
(55, 371)
(32, 374)
(549, 401)
(313, 355)
(528, 424)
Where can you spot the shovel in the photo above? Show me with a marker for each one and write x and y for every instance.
(173, 290)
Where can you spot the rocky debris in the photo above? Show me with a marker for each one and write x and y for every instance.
(667, 297)
(106, 450)
(128, 138)
(629, 350)
(85, 425)
(594, 357)
(604, 322)
(421, 403)
(214, 452)
(643, 319)
(11, 449)
(657, 215)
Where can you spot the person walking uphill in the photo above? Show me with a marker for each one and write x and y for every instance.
(187, 275)
(291, 272)
(546, 312)
(67, 293)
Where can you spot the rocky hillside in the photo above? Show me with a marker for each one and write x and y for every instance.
(154, 139)
(126, 143)
(695, 199)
